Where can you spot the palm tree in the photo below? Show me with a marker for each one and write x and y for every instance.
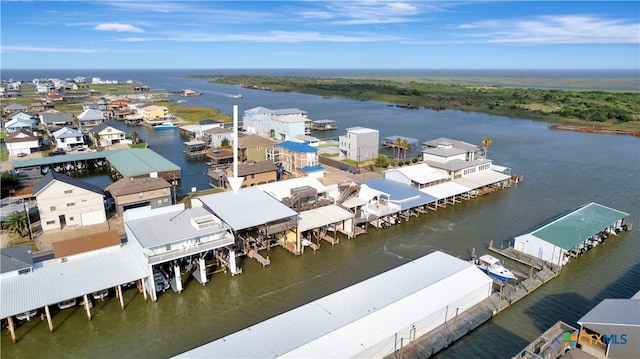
(96, 138)
(486, 142)
(404, 145)
(16, 222)
(397, 144)
(134, 137)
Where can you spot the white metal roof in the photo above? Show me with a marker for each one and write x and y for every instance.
(282, 189)
(357, 318)
(421, 173)
(444, 190)
(322, 216)
(481, 179)
(162, 227)
(250, 207)
(53, 281)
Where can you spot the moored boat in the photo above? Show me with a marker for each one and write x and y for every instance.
(27, 315)
(493, 267)
(165, 126)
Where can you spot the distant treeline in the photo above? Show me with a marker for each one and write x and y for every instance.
(609, 109)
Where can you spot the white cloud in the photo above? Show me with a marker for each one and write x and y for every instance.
(269, 36)
(48, 49)
(118, 27)
(571, 29)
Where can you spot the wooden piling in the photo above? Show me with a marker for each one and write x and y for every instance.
(12, 330)
(48, 315)
(86, 306)
(120, 296)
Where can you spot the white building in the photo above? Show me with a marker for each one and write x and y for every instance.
(68, 138)
(360, 143)
(258, 119)
(288, 127)
(364, 320)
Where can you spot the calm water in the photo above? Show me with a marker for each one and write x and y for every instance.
(562, 170)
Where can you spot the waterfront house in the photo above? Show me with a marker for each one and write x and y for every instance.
(254, 148)
(254, 173)
(53, 121)
(571, 234)
(138, 192)
(153, 113)
(216, 135)
(20, 120)
(90, 118)
(298, 159)
(288, 127)
(40, 105)
(108, 135)
(418, 175)
(68, 138)
(15, 261)
(67, 201)
(168, 240)
(360, 143)
(258, 120)
(21, 141)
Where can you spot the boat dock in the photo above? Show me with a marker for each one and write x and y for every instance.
(504, 296)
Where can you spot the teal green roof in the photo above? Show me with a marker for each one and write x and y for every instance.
(76, 156)
(139, 161)
(574, 228)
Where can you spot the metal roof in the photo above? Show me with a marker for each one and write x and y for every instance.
(363, 316)
(322, 216)
(412, 141)
(250, 207)
(481, 179)
(613, 312)
(420, 173)
(87, 155)
(167, 227)
(282, 189)
(140, 161)
(297, 147)
(444, 190)
(15, 259)
(403, 195)
(578, 225)
(54, 280)
(55, 176)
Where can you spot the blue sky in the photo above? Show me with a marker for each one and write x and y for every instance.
(320, 34)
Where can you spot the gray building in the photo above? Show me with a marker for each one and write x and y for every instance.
(360, 143)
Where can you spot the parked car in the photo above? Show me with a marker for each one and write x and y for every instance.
(67, 303)
(22, 154)
(57, 152)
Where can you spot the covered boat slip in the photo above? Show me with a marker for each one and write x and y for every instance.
(366, 319)
(571, 231)
(56, 280)
(485, 181)
(255, 217)
(448, 193)
(318, 219)
(410, 200)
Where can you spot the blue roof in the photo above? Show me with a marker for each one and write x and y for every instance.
(401, 194)
(308, 169)
(297, 147)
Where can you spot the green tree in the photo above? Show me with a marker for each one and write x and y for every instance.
(382, 161)
(134, 137)
(96, 139)
(16, 222)
(8, 183)
(224, 142)
(397, 145)
(404, 146)
(486, 142)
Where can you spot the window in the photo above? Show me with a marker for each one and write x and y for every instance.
(52, 208)
(70, 219)
(68, 191)
(71, 204)
(51, 222)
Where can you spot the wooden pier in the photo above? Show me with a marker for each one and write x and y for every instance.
(505, 295)
(257, 256)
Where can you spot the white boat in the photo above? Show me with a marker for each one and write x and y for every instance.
(165, 126)
(492, 266)
(238, 96)
(27, 315)
(100, 295)
(181, 101)
(67, 303)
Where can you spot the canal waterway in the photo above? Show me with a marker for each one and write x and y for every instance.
(561, 169)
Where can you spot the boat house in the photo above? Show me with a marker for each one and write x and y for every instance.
(572, 233)
(365, 320)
